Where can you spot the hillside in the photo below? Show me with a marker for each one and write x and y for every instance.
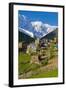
(51, 35)
(25, 38)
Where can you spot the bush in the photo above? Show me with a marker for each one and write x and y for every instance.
(44, 62)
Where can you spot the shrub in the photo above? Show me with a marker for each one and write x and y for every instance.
(44, 62)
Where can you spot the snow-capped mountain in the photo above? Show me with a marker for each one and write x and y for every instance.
(34, 28)
(39, 29)
(42, 29)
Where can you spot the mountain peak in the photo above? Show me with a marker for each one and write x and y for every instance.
(36, 29)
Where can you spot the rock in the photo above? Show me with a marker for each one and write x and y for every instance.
(34, 59)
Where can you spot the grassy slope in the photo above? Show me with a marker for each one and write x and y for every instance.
(53, 73)
(25, 66)
(24, 60)
(24, 63)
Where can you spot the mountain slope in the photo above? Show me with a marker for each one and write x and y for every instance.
(25, 38)
(51, 35)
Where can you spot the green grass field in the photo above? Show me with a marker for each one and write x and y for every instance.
(24, 66)
(53, 73)
(23, 61)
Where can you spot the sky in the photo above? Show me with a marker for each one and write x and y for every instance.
(46, 17)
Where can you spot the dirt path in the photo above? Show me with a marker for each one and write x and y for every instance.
(52, 64)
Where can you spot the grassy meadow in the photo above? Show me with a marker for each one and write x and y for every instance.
(28, 70)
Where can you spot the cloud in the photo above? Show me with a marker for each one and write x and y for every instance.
(24, 16)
